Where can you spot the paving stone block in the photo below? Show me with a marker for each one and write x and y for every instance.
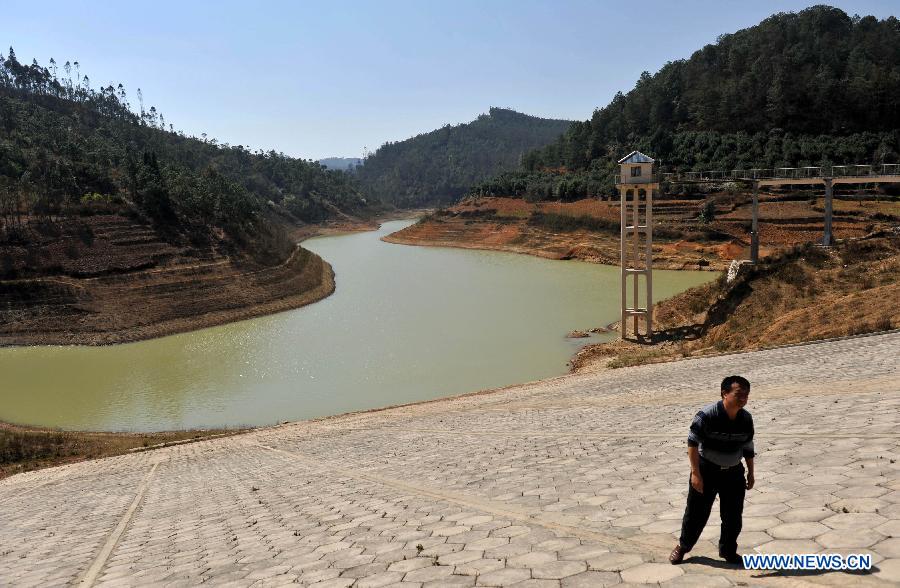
(790, 546)
(531, 559)
(651, 573)
(805, 530)
(503, 577)
(379, 580)
(451, 582)
(846, 538)
(410, 564)
(889, 548)
(334, 583)
(556, 570)
(476, 567)
(364, 570)
(803, 515)
(582, 552)
(557, 544)
(854, 521)
(591, 579)
(614, 562)
(858, 505)
(689, 580)
(889, 570)
(429, 574)
(533, 583)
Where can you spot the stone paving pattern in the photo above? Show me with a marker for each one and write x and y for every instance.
(575, 481)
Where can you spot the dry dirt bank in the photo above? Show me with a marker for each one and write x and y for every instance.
(805, 294)
(507, 224)
(139, 305)
(521, 238)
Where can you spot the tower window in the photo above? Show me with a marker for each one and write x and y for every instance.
(636, 171)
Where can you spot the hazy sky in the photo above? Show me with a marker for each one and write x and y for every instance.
(318, 79)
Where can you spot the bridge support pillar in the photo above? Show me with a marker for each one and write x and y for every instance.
(754, 228)
(829, 193)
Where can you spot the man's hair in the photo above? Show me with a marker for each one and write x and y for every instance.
(727, 382)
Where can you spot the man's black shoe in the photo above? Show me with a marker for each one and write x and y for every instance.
(677, 555)
(732, 558)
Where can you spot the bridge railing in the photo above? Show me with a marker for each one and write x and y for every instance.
(798, 173)
(887, 169)
(785, 173)
(852, 171)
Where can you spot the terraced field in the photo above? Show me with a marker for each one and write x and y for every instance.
(118, 280)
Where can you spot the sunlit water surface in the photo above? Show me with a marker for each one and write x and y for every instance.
(405, 324)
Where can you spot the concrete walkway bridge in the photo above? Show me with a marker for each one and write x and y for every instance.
(783, 176)
(827, 176)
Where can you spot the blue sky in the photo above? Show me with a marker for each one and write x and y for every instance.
(316, 79)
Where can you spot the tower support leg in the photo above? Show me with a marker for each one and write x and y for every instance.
(649, 266)
(636, 260)
(754, 228)
(623, 257)
(829, 193)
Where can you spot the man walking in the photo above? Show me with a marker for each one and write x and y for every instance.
(721, 434)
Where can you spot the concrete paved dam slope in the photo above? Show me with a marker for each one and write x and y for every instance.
(575, 481)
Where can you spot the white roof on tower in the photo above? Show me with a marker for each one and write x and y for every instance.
(636, 157)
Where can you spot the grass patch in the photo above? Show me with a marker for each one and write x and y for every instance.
(566, 223)
(25, 448)
(639, 357)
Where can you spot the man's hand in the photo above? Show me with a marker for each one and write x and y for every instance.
(750, 481)
(697, 482)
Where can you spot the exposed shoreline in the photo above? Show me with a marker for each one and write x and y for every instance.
(588, 257)
(314, 270)
(516, 236)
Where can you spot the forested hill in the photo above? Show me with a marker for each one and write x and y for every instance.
(439, 166)
(816, 87)
(66, 147)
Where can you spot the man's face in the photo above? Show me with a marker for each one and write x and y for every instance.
(737, 396)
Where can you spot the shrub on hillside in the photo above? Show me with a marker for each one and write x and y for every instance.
(565, 222)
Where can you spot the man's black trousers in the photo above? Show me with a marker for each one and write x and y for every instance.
(729, 485)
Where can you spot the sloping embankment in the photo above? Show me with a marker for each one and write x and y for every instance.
(136, 298)
(154, 303)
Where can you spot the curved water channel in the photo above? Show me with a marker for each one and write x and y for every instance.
(405, 324)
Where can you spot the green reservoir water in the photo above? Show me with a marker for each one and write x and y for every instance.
(405, 324)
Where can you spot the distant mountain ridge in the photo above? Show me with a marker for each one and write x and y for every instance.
(816, 87)
(341, 163)
(438, 167)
